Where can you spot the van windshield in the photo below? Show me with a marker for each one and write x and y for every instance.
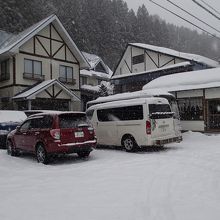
(72, 120)
(160, 111)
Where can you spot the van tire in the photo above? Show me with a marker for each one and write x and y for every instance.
(129, 143)
(41, 154)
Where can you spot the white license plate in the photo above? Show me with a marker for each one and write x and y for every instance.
(79, 134)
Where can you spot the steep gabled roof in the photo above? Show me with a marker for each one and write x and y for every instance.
(170, 52)
(32, 92)
(12, 44)
(94, 60)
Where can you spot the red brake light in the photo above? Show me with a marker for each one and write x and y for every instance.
(55, 133)
(148, 127)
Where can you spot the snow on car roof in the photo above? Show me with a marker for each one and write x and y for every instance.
(12, 116)
(131, 95)
(128, 102)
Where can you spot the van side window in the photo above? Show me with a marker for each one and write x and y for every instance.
(127, 113)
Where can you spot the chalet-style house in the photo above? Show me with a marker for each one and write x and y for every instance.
(91, 79)
(40, 68)
(142, 63)
(198, 97)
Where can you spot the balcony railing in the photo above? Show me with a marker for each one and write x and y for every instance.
(32, 76)
(67, 80)
(4, 77)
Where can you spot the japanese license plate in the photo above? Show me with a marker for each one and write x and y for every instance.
(79, 134)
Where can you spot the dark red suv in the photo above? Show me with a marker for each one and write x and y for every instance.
(52, 133)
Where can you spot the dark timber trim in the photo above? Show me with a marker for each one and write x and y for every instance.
(128, 66)
(167, 62)
(41, 56)
(58, 50)
(14, 70)
(49, 38)
(151, 59)
(48, 93)
(43, 46)
(131, 70)
(58, 94)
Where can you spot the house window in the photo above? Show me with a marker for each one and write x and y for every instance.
(5, 73)
(138, 59)
(33, 69)
(191, 109)
(83, 80)
(66, 74)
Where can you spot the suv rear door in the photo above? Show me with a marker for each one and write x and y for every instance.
(73, 128)
(161, 118)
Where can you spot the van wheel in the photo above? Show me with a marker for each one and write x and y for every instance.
(83, 154)
(129, 143)
(41, 154)
(11, 149)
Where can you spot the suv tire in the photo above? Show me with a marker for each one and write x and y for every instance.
(11, 149)
(41, 154)
(83, 154)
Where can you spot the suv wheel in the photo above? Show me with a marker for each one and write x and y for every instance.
(10, 149)
(41, 154)
(83, 154)
(129, 143)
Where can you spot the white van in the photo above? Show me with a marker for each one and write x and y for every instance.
(133, 123)
(145, 94)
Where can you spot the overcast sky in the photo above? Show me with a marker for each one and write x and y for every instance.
(188, 5)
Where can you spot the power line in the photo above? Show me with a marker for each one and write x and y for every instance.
(210, 12)
(185, 20)
(193, 16)
(210, 6)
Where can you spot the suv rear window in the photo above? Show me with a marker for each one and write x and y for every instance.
(160, 111)
(72, 120)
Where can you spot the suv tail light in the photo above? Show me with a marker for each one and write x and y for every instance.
(55, 133)
(148, 127)
(91, 130)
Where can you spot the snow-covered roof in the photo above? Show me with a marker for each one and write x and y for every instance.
(12, 44)
(94, 60)
(92, 73)
(12, 116)
(32, 92)
(128, 102)
(183, 64)
(90, 88)
(187, 56)
(208, 78)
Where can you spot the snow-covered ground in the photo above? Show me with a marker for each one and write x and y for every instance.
(181, 182)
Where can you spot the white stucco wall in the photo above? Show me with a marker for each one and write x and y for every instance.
(190, 93)
(212, 93)
(150, 63)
